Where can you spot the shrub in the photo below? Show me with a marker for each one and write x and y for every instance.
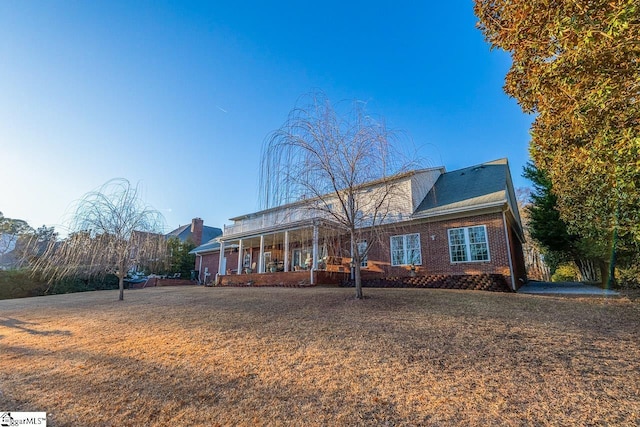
(78, 284)
(629, 277)
(20, 284)
(565, 273)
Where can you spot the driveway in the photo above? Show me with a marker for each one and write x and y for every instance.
(565, 288)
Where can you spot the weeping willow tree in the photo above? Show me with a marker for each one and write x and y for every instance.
(111, 231)
(338, 163)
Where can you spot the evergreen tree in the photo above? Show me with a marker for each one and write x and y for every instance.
(550, 231)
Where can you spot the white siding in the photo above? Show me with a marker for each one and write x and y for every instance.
(404, 196)
(421, 184)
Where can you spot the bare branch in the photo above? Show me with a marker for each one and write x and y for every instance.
(111, 231)
(342, 161)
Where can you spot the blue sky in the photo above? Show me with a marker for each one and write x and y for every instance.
(179, 96)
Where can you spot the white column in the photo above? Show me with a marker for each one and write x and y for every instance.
(240, 256)
(261, 259)
(314, 263)
(286, 251)
(221, 260)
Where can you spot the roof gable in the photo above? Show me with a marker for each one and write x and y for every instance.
(178, 232)
(184, 232)
(408, 176)
(467, 188)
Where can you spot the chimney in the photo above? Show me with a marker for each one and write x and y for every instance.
(197, 224)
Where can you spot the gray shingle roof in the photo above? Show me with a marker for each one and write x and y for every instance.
(212, 244)
(184, 232)
(467, 188)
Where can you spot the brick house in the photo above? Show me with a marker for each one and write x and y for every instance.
(196, 232)
(448, 229)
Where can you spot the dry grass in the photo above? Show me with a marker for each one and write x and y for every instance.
(273, 356)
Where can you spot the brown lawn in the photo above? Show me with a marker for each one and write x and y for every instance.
(274, 356)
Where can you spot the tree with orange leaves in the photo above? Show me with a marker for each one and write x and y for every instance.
(576, 65)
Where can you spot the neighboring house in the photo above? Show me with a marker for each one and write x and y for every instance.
(197, 232)
(444, 224)
(14, 247)
(7, 247)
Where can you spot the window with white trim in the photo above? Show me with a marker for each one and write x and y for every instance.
(362, 248)
(405, 249)
(468, 244)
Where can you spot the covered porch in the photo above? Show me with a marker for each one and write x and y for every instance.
(301, 249)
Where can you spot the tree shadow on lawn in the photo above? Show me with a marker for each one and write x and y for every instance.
(598, 318)
(9, 322)
(95, 386)
(277, 357)
(112, 387)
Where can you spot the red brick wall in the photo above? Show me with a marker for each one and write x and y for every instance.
(289, 279)
(292, 279)
(197, 225)
(434, 243)
(211, 260)
(486, 282)
(232, 261)
(156, 281)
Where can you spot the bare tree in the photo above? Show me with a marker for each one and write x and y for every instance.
(111, 231)
(342, 163)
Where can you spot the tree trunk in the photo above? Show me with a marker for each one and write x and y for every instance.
(587, 269)
(120, 275)
(355, 265)
(611, 279)
(355, 262)
(121, 287)
(358, 281)
(604, 272)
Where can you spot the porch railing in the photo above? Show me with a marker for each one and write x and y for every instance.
(271, 219)
(284, 217)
